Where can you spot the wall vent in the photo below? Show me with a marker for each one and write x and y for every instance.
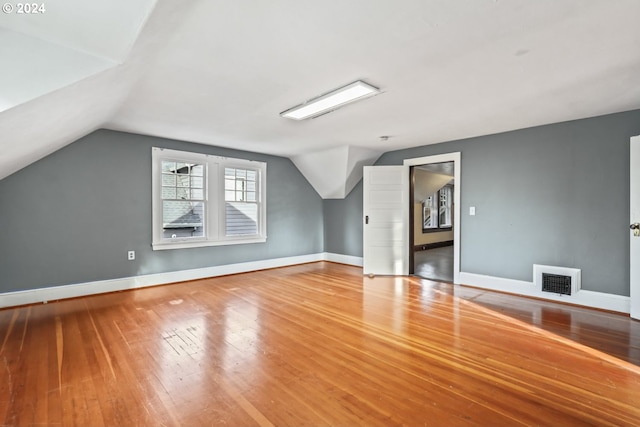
(556, 280)
(556, 283)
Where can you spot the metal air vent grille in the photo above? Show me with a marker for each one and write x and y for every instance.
(556, 283)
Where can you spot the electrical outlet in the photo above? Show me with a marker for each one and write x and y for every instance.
(131, 255)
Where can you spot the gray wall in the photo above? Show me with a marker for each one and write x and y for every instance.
(344, 219)
(555, 195)
(72, 216)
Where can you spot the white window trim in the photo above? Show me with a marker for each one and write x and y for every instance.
(214, 198)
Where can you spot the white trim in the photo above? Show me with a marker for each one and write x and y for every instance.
(455, 158)
(206, 243)
(634, 216)
(583, 297)
(31, 296)
(10, 299)
(343, 259)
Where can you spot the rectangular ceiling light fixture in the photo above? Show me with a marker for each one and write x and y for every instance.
(331, 101)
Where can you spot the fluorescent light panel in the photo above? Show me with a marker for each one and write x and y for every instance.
(332, 100)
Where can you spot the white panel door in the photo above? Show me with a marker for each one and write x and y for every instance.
(635, 219)
(386, 220)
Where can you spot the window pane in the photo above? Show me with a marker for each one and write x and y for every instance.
(168, 193)
(240, 187)
(182, 219)
(430, 212)
(197, 194)
(182, 181)
(445, 218)
(241, 219)
(197, 182)
(197, 170)
(445, 207)
(169, 180)
(168, 166)
(182, 168)
(430, 218)
(182, 193)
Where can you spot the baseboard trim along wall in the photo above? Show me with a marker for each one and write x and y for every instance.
(32, 296)
(343, 259)
(583, 297)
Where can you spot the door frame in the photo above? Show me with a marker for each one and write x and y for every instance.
(457, 190)
(634, 216)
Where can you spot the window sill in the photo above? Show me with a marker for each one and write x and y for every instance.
(204, 243)
(436, 230)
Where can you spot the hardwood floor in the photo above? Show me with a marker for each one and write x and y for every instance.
(316, 344)
(434, 264)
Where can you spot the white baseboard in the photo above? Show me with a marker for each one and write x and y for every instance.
(31, 296)
(583, 297)
(343, 259)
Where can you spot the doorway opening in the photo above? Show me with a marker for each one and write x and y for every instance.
(387, 219)
(431, 221)
(434, 213)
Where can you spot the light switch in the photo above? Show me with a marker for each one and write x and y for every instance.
(472, 210)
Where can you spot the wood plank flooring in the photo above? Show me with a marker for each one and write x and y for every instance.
(434, 264)
(313, 345)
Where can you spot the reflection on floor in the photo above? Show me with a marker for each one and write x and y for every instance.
(435, 264)
(613, 333)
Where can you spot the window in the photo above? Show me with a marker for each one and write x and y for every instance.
(241, 205)
(203, 200)
(444, 218)
(183, 204)
(437, 210)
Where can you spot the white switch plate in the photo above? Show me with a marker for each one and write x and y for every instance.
(131, 255)
(472, 210)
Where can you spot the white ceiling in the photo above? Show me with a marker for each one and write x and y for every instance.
(220, 72)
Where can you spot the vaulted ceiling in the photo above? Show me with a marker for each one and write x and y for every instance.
(220, 72)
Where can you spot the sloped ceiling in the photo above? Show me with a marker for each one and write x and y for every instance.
(220, 72)
(427, 183)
